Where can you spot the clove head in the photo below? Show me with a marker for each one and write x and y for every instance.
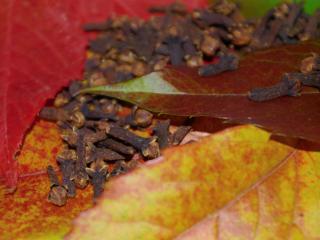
(81, 180)
(151, 150)
(310, 64)
(143, 118)
(57, 195)
(77, 119)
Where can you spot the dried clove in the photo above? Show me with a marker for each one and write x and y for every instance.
(148, 146)
(138, 118)
(77, 119)
(260, 30)
(70, 136)
(54, 114)
(286, 87)
(312, 27)
(179, 135)
(210, 45)
(161, 130)
(98, 173)
(227, 62)
(93, 137)
(175, 48)
(175, 8)
(81, 177)
(96, 113)
(117, 146)
(67, 165)
(310, 64)
(62, 99)
(106, 155)
(57, 194)
(223, 7)
(311, 80)
(210, 18)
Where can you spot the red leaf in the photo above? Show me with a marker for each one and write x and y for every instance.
(180, 91)
(41, 49)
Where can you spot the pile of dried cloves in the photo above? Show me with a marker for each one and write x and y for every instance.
(126, 48)
(102, 141)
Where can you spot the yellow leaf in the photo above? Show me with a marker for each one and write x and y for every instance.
(236, 184)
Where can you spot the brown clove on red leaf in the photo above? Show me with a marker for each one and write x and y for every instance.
(180, 91)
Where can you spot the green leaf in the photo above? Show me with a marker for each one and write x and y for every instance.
(254, 8)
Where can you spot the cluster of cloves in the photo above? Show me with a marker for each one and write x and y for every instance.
(287, 24)
(127, 48)
(100, 141)
(291, 83)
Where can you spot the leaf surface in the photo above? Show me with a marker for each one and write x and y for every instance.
(26, 214)
(234, 184)
(181, 92)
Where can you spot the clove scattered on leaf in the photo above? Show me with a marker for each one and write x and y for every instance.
(100, 134)
(291, 83)
(57, 194)
(226, 62)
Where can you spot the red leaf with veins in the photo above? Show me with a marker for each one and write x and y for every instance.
(41, 49)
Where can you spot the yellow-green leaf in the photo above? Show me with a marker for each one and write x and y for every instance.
(236, 184)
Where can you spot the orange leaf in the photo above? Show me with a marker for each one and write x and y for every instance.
(26, 214)
(236, 183)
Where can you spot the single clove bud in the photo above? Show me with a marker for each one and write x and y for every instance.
(57, 194)
(54, 114)
(117, 146)
(175, 8)
(77, 119)
(98, 173)
(62, 99)
(310, 80)
(241, 34)
(287, 87)
(93, 137)
(210, 45)
(106, 155)
(81, 177)
(70, 136)
(161, 130)
(227, 62)
(223, 7)
(148, 146)
(67, 167)
(175, 48)
(312, 26)
(179, 134)
(138, 118)
(310, 64)
(96, 113)
(211, 18)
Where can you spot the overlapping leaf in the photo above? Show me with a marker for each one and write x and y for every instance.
(182, 92)
(234, 184)
(26, 214)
